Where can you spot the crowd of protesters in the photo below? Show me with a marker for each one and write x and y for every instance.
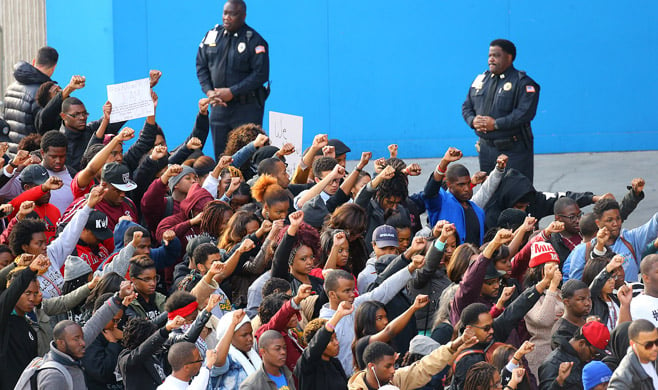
(156, 266)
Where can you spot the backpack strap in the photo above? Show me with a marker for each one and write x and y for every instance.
(588, 250)
(169, 207)
(630, 248)
(50, 364)
(465, 353)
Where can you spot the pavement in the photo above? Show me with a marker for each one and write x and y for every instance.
(596, 172)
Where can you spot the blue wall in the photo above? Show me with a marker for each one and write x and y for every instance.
(380, 72)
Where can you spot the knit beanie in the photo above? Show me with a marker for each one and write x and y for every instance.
(595, 373)
(74, 267)
(174, 180)
(315, 211)
(542, 252)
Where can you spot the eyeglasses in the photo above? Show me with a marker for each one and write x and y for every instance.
(572, 218)
(649, 344)
(195, 362)
(116, 320)
(77, 115)
(485, 328)
(149, 280)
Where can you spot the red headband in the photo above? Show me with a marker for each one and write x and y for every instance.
(183, 311)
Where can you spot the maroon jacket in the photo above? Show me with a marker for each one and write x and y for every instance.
(280, 323)
(154, 203)
(195, 200)
(469, 288)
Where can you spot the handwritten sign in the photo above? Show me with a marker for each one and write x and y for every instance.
(285, 128)
(130, 100)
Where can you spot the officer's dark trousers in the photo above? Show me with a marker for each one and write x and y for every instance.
(225, 119)
(521, 157)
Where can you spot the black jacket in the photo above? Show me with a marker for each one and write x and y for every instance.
(630, 374)
(549, 369)
(599, 306)
(48, 117)
(99, 362)
(20, 105)
(376, 215)
(314, 373)
(139, 368)
(502, 326)
(78, 140)
(563, 333)
(513, 106)
(17, 337)
(430, 280)
(515, 187)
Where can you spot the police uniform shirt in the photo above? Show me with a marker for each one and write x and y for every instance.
(239, 60)
(512, 104)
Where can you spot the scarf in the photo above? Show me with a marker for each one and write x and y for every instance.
(253, 362)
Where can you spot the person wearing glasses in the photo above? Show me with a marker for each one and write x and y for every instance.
(637, 370)
(149, 303)
(78, 132)
(563, 367)
(186, 363)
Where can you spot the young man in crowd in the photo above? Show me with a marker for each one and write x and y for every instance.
(637, 370)
(339, 286)
(20, 106)
(273, 374)
(645, 305)
(563, 367)
(628, 243)
(116, 182)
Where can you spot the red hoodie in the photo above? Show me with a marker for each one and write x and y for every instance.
(48, 213)
(196, 199)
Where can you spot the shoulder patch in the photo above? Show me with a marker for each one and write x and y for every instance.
(530, 88)
(260, 49)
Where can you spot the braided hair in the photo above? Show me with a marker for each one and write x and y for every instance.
(480, 376)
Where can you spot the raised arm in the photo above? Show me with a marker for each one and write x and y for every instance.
(336, 174)
(436, 179)
(397, 325)
(225, 342)
(87, 175)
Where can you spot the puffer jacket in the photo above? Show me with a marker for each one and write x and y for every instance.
(630, 374)
(20, 104)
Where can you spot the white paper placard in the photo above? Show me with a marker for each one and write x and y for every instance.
(286, 128)
(130, 100)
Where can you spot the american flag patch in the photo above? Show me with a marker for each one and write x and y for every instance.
(529, 88)
(260, 49)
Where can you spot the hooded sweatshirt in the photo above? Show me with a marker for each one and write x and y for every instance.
(195, 200)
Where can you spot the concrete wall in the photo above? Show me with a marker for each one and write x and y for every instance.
(23, 32)
(377, 72)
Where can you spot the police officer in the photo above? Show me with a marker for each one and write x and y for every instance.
(499, 107)
(232, 65)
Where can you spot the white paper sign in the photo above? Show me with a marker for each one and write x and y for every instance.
(130, 100)
(285, 128)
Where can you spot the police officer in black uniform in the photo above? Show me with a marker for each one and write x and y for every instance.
(499, 107)
(232, 65)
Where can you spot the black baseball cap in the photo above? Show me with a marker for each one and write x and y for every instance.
(492, 272)
(34, 174)
(119, 176)
(98, 225)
